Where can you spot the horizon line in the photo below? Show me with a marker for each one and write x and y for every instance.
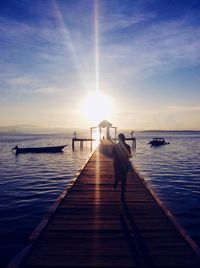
(10, 129)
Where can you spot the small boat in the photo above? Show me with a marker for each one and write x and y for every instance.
(50, 149)
(158, 142)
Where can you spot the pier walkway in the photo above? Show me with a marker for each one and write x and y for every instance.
(91, 227)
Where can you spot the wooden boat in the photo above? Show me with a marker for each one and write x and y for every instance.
(158, 142)
(50, 149)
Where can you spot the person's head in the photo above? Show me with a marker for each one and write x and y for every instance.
(121, 137)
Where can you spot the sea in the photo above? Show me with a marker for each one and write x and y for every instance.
(31, 183)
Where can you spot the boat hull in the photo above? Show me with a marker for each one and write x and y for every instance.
(158, 142)
(52, 149)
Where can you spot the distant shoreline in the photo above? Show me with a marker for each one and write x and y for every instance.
(168, 131)
(65, 132)
(40, 130)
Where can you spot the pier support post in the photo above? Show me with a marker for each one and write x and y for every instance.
(133, 139)
(81, 145)
(134, 143)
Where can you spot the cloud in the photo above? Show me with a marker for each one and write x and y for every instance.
(160, 47)
(53, 55)
(44, 51)
(167, 109)
(115, 22)
(151, 48)
(168, 117)
(27, 85)
(183, 108)
(51, 90)
(20, 81)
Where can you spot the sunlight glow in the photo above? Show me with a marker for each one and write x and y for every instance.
(96, 107)
(96, 136)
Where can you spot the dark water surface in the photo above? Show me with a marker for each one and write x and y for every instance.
(30, 183)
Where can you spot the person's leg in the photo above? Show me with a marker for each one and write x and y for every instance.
(117, 176)
(123, 186)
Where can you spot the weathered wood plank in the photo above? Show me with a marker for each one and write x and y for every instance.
(80, 261)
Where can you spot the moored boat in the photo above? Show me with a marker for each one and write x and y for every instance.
(49, 149)
(158, 142)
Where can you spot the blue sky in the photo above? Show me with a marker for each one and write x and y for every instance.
(149, 62)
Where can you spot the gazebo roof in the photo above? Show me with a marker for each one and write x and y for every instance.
(104, 124)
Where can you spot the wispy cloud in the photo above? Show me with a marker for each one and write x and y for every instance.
(116, 22)
(168, 117)
(53, 90)
(159, 48)
(44, 54)
(21, 81)
(182, 108)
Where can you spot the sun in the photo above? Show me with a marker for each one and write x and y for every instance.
(96, 107)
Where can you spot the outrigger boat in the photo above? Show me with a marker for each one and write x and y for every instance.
(51, 149)
(158, 142)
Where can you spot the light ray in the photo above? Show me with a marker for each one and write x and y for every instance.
(69, 44)
(96, 42)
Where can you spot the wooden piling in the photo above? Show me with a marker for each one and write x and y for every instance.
(81, 140)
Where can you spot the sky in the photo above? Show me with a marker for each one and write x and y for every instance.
(144, 54)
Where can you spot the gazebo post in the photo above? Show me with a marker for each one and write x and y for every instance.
(105, 124)
(108, 133)
(99, 132)
(115, 134)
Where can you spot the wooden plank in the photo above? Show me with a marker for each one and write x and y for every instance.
(80, 261)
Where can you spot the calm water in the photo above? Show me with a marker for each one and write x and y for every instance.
(31, 183)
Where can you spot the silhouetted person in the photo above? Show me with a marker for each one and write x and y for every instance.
(121, 154)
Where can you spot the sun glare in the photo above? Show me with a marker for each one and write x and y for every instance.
(96, 107)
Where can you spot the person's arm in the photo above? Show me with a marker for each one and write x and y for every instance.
(129, 152)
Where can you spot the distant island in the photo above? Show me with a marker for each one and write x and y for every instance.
(34, 130)
(169, 130)
(30, 129)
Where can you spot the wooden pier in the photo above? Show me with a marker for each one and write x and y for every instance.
(91, 227)
(81, 140)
